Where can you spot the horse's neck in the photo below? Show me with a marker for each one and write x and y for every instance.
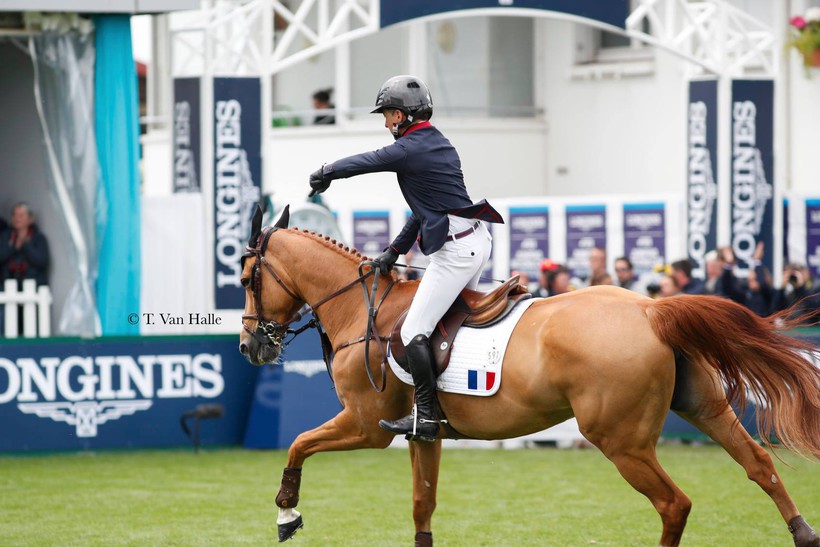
(317, 271)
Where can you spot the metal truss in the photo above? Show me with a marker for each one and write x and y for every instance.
(712, 34)
(263, 37)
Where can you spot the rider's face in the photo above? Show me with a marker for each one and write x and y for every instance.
(392, 118)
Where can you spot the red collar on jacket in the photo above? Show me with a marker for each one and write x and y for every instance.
(412, 128)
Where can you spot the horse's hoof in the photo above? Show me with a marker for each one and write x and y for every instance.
(288, 530)
(803, 534)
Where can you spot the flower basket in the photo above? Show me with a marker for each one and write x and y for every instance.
(812, 59)
(805, 36)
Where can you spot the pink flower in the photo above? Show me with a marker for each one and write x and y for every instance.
(798, 22)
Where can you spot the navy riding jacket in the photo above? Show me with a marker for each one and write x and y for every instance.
(429, 173)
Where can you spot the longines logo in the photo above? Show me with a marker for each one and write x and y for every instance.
(751, 192)
(236, 193)
(702, 188)
(86, 392)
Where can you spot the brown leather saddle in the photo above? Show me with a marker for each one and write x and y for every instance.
(471, 309)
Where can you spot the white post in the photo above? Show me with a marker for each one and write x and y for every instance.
(10, 300)
(29, 308)
(43, 311)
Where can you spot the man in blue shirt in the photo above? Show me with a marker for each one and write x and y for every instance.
(449, 227)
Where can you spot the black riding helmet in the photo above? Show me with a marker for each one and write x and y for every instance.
(408, 94)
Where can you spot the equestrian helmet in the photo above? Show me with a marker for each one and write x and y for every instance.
(408, 94)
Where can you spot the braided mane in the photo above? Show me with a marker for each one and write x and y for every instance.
(348, 252)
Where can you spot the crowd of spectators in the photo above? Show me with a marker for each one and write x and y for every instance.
(798, 290)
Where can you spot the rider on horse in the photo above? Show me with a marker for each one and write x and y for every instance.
(445, 221)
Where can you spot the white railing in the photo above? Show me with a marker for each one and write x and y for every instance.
(35, 304)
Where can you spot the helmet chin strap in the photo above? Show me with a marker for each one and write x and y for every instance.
(408, 120)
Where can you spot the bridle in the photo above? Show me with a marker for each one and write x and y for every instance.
(273, 333)
(267, 332)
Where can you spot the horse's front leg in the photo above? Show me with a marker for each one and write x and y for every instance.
(344, 432)
(425, 459)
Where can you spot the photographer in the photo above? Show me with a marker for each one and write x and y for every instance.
(759, 293)
(798, 289)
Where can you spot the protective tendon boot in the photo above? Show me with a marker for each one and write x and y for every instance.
(425, 425)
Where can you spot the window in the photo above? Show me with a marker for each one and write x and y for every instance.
(482, 66)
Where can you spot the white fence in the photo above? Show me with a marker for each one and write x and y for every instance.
(30, 306)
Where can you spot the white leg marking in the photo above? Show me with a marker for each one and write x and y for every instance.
(287, 515)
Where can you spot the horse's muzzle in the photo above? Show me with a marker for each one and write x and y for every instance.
(259, 354)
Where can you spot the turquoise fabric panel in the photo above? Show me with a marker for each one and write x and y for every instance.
(118, 203)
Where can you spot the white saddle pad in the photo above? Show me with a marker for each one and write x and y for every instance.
(476, 357)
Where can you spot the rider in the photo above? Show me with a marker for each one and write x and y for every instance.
(445, 221)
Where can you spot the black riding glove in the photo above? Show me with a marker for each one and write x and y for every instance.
(318, 182)
(385, 261)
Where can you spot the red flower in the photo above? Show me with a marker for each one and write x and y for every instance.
(798, 22)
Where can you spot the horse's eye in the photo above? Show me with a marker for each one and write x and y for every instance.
(245, 281)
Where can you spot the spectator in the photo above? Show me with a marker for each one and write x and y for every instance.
(597, 267)
(668, 287)
(544, 268)
(758, 294)
(558, 281)
(23, 248)
(797, 290)
(682, 273)
(720, 278)
(321, 102)
(624, 274)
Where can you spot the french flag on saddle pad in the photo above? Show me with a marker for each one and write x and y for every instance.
(480, 380)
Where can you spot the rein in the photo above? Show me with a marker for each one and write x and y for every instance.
(273, 333)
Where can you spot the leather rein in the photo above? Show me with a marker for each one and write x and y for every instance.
(273, 333)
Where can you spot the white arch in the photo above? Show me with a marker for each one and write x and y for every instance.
(238, 37)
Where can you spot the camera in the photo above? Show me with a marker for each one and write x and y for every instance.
(653, 288)
(793, 279)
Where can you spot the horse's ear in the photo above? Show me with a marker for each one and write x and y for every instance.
(284, 218)
(256, 226)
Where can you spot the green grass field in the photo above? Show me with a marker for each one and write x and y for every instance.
(486, 497)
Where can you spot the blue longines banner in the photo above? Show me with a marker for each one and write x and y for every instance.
(371, 231)
(752, 171)
(613, 12)
(237, 181)
(90, 394)
(644, 235)
(813, 236)
(187, 156)
(529, 238)
(586, 228)
(701, 172)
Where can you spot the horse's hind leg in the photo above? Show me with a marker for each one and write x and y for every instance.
(640, 467)
(425, 459)
(628, 439)
(700, 399)
(727, 431)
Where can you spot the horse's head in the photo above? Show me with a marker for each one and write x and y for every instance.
(270, 306)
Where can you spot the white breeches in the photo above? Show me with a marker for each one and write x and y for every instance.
(456, 265)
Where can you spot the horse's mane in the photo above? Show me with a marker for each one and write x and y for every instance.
(348, 252)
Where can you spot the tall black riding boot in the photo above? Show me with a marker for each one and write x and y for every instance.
(425, 425)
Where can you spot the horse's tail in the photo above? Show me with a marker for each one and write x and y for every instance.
(751, 352)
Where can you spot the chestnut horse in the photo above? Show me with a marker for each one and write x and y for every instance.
(615, 360)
